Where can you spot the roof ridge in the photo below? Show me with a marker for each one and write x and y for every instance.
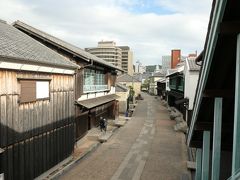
(61, 43)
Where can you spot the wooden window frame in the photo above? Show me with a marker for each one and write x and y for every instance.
(35, 80)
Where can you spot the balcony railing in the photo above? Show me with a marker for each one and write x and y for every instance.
(94, 88)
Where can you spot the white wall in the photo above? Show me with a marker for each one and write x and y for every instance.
(96, 94)
(191, 80)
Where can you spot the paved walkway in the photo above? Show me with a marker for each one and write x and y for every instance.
(147, 147)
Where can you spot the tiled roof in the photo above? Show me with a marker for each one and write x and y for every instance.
(62, 44)
(18, 46)
(126, 78)
(121, 88)
(192, 65)
(93, 102)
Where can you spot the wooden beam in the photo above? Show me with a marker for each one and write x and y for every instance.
(212, 93)
(230, 28)
(198, 164)
(216, 150)
(236, 135)
(206, 154)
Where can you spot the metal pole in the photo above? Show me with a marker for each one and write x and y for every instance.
(216, 153)
(206, 152)
(236, 134)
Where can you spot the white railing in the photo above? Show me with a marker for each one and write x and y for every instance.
(93, 88)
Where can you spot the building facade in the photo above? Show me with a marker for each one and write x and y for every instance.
(127, 60)
(108, 51)
(166, 64)
(36, 105)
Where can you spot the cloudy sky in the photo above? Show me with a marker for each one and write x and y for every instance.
(150, 27)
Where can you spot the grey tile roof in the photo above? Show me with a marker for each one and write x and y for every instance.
(93, 102)
(192, 65)
(17, 46)
(121, 88)
(62, 44)
(126, 78)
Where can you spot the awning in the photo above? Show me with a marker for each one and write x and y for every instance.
(94, 102)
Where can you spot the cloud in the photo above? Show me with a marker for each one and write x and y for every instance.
(151, 28)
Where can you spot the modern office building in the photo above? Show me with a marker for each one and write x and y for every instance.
(127, 59)
(108, 51)
(120, 56)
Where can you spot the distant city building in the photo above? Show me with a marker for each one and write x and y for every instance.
(139, 68)
(166, 63)
(127, 59)
(120, 56)
(175, 57)
(171, 61)
(108, 51)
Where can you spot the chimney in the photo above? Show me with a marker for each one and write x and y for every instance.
(175, 57)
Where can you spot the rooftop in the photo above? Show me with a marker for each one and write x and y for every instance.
(62, 44)
(17, 46)
(192, 66)
(126, 78)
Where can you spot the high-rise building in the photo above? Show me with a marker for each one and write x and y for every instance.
(127, 59)
(166, 63)
(108, 51)
(120, 56)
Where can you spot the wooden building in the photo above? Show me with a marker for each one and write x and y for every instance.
(175, 90)
(215, 124)
(36, 105)
(161, 88)
(94, 81)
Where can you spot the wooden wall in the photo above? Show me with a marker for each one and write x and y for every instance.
(35, 136)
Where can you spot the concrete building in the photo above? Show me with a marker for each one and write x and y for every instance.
(127, 59)
(108, 51)
(166, 64)
(120, 56)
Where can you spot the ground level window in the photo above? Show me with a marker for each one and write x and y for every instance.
(32, 90)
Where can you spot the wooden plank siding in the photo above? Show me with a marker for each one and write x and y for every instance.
(37, 135)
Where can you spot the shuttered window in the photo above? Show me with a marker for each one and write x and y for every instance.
(32, 90)
(28, 91)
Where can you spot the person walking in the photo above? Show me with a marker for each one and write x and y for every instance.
(105, 124)
(101, 123)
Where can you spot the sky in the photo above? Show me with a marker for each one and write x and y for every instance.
(151, 28)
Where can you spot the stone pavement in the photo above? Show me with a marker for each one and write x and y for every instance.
(147, 147)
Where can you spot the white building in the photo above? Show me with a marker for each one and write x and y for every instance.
(191, 75)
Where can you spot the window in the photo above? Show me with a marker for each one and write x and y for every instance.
(94, 80)
(32, 90)
(42, 89)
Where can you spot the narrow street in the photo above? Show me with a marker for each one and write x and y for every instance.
(147, 147)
